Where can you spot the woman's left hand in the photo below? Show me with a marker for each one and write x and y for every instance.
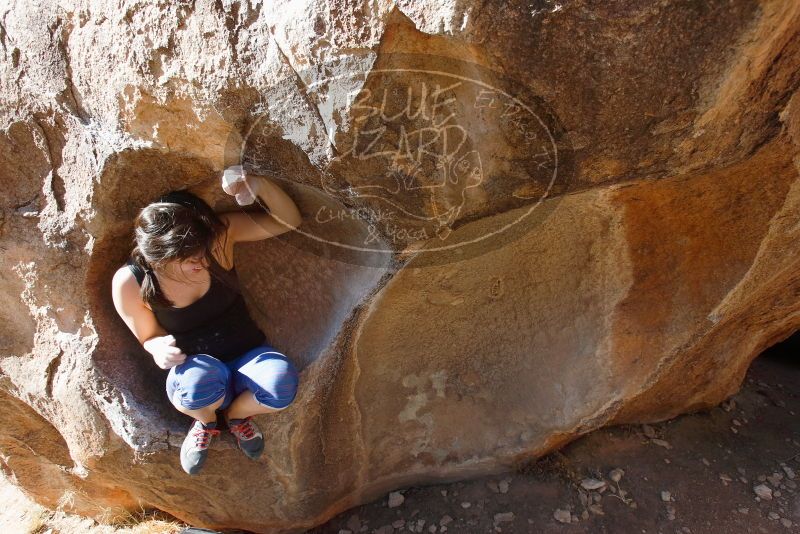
(237, 183)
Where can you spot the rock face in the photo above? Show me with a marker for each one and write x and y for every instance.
(522, 221)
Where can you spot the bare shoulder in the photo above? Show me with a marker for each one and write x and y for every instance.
(125, 286)
(123, 277)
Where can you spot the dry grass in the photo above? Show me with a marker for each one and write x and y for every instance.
(148, 522)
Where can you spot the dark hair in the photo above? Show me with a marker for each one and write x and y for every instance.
(176, 226)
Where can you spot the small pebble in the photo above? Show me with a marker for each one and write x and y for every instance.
(616, 474)
(562, 516)
(503, 486)
(763, 491)
(396, 499)
(504, 517)
(592, 483)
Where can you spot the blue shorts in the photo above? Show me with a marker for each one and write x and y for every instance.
(201, 380)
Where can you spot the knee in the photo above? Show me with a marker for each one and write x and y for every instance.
(284, 390)
(199, 382)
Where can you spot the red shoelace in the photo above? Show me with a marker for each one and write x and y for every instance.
(202, 436)
(244, 429)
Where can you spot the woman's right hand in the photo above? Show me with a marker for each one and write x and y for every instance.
(242, 186)
(164, 351)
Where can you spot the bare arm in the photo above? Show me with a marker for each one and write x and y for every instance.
(253, 226)
(128, 302)
(142, 321)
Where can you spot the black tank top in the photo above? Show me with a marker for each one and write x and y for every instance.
(218, 323)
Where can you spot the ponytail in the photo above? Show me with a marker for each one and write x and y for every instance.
(149, 290)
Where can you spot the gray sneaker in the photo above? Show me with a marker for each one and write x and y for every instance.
(248, 435)
(195, 446)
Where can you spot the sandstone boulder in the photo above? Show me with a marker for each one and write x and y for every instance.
(523, 221)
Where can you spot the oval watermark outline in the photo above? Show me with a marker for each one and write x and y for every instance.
(419, 246)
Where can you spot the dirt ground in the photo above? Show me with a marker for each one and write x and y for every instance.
(692, 474)
(696, 473)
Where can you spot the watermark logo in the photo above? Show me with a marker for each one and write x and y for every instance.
(415, 148)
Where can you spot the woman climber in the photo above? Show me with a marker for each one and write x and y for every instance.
(179, 294)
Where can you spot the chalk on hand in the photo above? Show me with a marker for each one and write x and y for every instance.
(232, 176)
